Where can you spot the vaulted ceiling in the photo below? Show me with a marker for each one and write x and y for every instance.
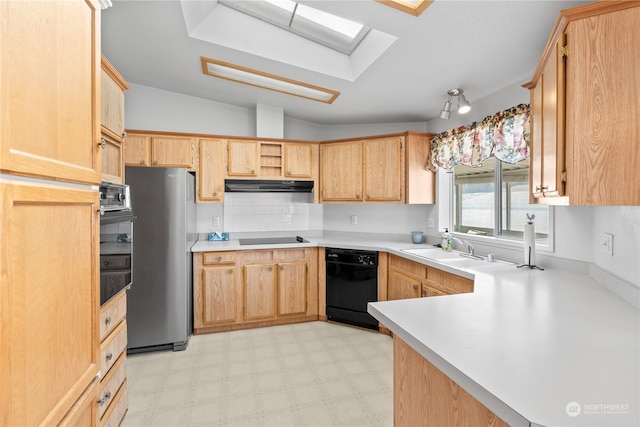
(401, 73)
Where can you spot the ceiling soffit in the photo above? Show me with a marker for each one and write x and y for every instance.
(217, 24)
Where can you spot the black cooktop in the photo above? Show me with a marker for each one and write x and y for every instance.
(272, 240)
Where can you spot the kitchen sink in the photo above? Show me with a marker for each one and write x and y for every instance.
(454, 258)
(433, 253)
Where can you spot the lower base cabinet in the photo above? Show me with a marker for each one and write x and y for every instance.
(246, 289)
(112, 403)
(424, 396)
(409, 279)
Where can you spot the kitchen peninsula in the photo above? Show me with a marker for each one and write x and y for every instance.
(549, 347)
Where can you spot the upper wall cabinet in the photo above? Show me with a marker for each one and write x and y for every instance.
(210, 171)
(584, 98)
(159, 150)
(385, 169)
(49, 90)
(112, 90)
(272, 159)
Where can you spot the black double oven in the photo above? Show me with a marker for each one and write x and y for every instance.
(116, 240)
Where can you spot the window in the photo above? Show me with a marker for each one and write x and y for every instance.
(493, 200)
(324, 28)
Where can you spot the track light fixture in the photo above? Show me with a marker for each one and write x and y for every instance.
(463, 104)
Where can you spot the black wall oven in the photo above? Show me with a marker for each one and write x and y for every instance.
(116, 238)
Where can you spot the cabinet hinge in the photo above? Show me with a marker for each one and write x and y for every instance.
(564, 51)
(563, 177)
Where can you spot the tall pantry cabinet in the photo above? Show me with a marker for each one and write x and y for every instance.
(49, 171)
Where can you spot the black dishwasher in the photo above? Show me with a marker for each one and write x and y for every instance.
(352, 282)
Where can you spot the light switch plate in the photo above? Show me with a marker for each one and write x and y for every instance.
(607, 243)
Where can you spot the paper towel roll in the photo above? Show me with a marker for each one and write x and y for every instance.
(529, 243)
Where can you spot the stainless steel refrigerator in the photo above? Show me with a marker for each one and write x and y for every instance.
(159, 303)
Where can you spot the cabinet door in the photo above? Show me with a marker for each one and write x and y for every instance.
(341, 171)
(383, 171)
(243, 158)
(136, 150)
(219, 295)
(402, 287)
(548, 150)
(112, 99)
(292, 288)
(603, 86)
(298, 160)
(112, 161)
(173, 152)
(49, 90)
(49, 300)
(211, 176)
(259, 291)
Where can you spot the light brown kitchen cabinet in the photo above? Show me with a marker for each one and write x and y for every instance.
(243, 158)
(402, 286)
(292, 288)
(383, 169)
(380, 169)
(172, 151)
(49, 286)
(215, 289)
(113, 337)
(159, 150)
(259, 283)
(341, 171)
(112, 160)
(211, 170)
(274, 287)
(299, 160)
(50, 106)
(582, 142)
(137, 150)
(112, 90)
(50, 294)
(410, 279)
(424, 396)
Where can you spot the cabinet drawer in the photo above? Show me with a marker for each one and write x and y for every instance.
(111, 383)
(112, 314)
(114, 414)
(112, 347)
(213, 258)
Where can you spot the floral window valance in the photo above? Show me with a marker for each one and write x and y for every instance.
(504, 135)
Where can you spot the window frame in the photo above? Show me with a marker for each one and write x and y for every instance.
(446, 214)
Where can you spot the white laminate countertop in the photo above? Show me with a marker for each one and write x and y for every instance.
(548, 348)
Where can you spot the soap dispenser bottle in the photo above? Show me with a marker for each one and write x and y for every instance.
(446, 241)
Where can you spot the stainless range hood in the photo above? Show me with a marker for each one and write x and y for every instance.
(266, 186)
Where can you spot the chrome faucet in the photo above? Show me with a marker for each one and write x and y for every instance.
(466, 245)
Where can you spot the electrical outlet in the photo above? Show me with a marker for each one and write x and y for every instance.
(216, 221)
(354, 219)
(607, 243)
(430, 223)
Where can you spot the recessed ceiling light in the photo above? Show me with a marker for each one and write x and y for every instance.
(414, 7)
(225, 70)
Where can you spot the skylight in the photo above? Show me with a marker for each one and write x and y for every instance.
(324, 28)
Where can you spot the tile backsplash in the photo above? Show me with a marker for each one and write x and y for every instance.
(271, 212)
(251, 212)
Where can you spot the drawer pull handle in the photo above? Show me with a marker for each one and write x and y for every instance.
(219, 258)
(102, 143)
(142, 162)
(104, 399)
(155, 162)
(109, 356)
(108, 320)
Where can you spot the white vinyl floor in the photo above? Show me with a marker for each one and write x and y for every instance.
(306, 374)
